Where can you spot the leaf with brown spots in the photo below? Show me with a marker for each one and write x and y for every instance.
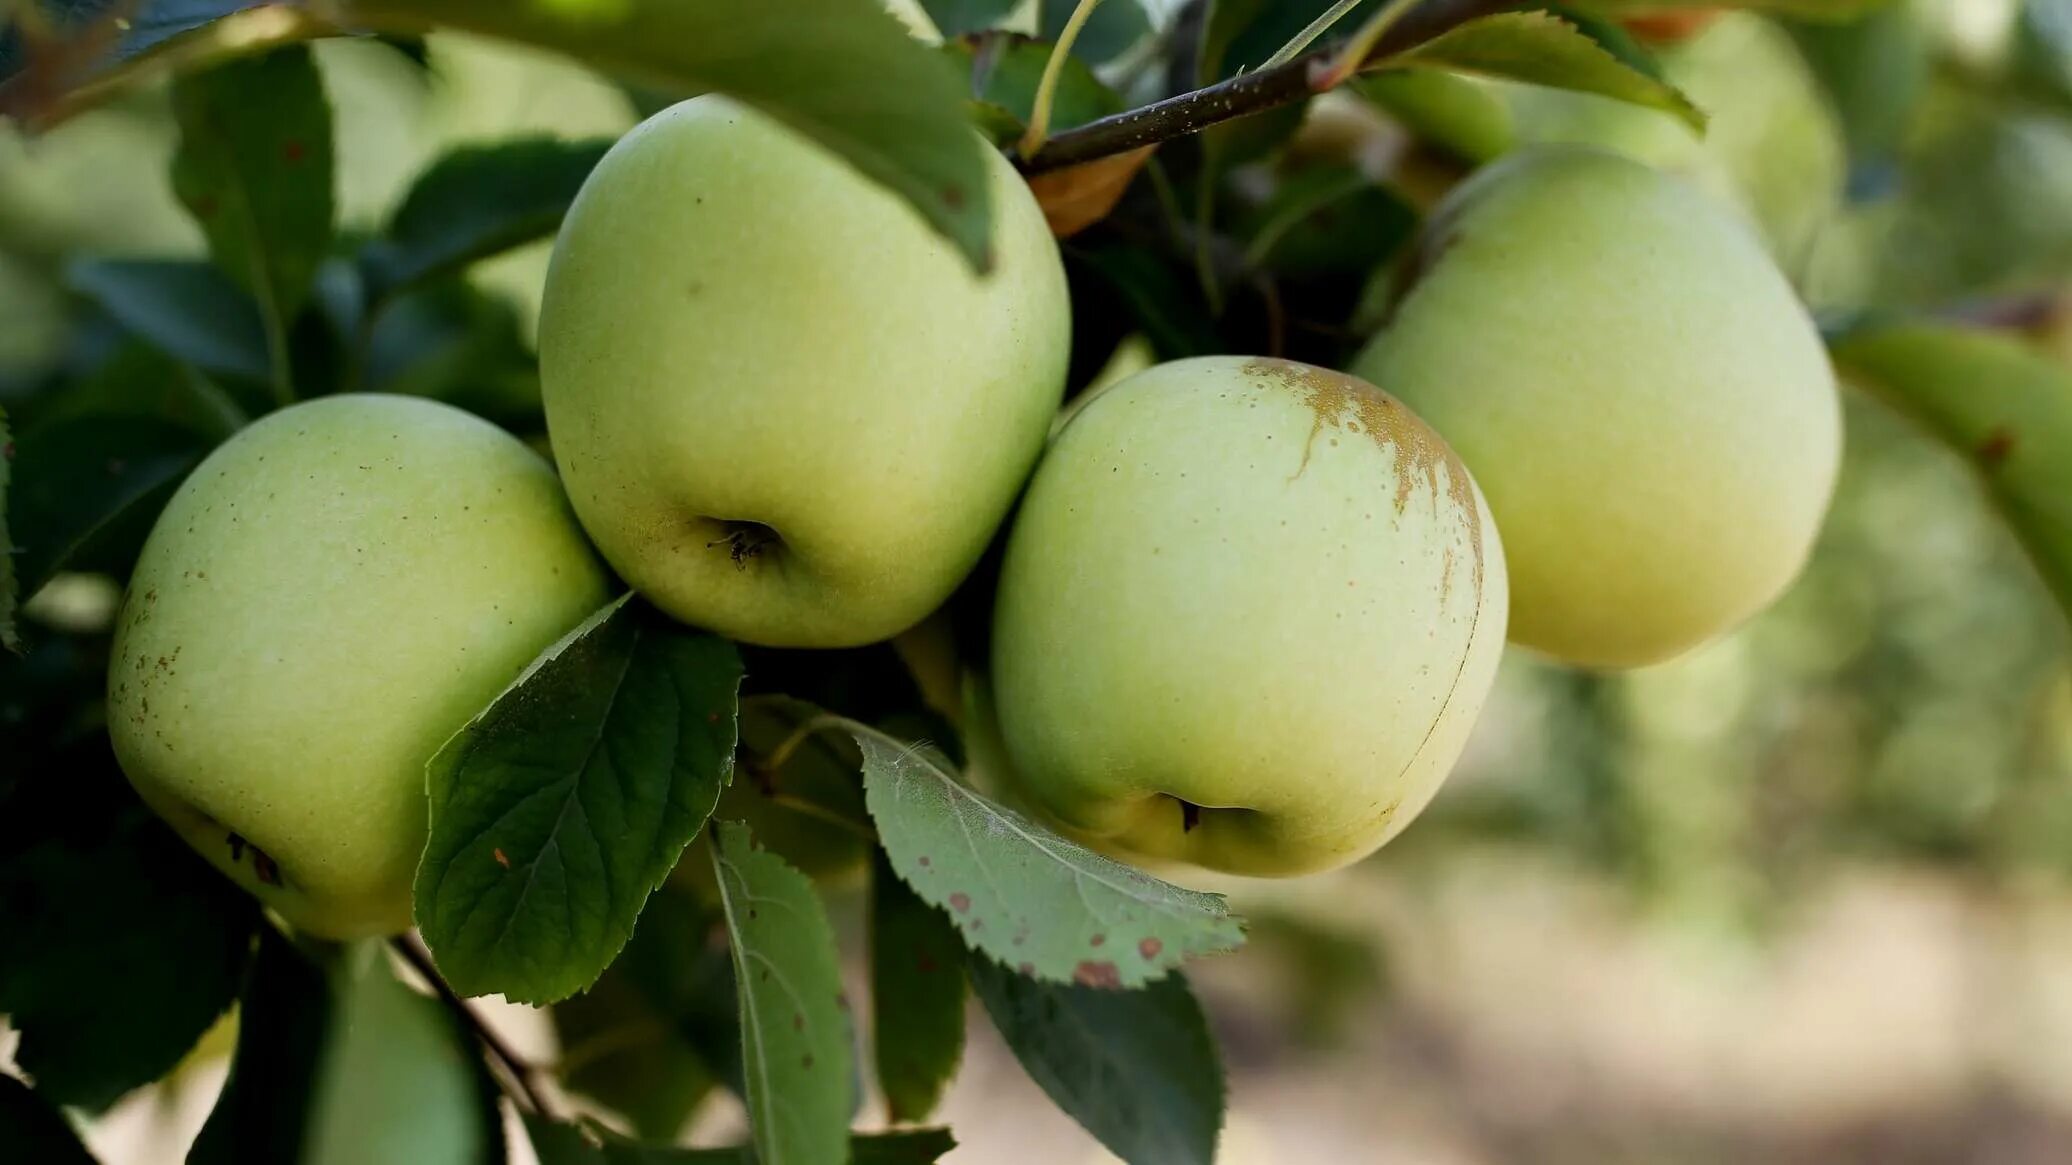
(255, 168)
(1023, 895)
(795, 1047)
(2000, 403)
(917, 996)
(1137, 1068)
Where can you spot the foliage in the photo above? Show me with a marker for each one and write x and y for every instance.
(588, 847)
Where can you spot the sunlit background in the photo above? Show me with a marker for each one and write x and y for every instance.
(1801, 896)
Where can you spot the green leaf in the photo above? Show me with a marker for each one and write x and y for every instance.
(189, 310)
(2001, 405)
(10, 587)
(123, 946)
(558, 810)
(662, 1026)
(1329, 219)
(1005, 68)
(263, 1113)
(1138, 284)
(255, 169)
(1539, 49)
(1023, 895)
(1138, 1069)
(956, 17)
(562, 1144)
(478, 201)
(35, 1131)
(138, 381)
(1241, 34)
(917, 996)
(1821, 10)
(399, 1079)
(451, 341)
(794, 1022)
(844, 73)
(1116, 27)
(1460, 116)
(79, 483)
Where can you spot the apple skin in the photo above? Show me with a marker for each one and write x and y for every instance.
(1773, 146)
(327, 598)
(785, 409)
(1637, 389)
(1258, 587)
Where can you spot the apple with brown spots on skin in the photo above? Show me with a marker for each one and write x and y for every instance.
(1637, 388)
(328, 597)
(1248, 614)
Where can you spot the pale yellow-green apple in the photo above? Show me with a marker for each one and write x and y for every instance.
(1772, 146)
(1248, 613)
(1636, 388)
(785, 409)
(328, 597)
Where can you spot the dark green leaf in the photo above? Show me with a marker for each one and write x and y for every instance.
(75, 481)
(1326, 220)
(1144, 288)
(1540, 49)
(450, 341)
(10, 587)
(1028, 898)
(1241, 34)
(1005, 69)
(1115, 28)
(843, 73)
(956, 17)
(122, 945)
(475, 202)
(138, 381)
(254, 168)
(917, 996)
(559, 809)
(190, 311)
(662, 1026)
(34, 1131)
(2004, 407)
(283, 1016)
(1824, 10)
(796, 1050)
(1138, 1069)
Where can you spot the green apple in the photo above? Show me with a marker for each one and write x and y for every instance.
(1772, 148)
(1248, 613)
(785, 409)
(1636, 387)
(327, 598)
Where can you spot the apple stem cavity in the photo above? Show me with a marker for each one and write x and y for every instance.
(744, 540)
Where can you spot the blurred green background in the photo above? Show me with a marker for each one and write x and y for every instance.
(1805, 895)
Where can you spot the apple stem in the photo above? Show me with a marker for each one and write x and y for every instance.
(517, 1070)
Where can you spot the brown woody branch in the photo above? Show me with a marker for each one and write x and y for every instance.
(1244, 94)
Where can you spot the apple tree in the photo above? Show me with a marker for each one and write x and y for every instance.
(928, 493)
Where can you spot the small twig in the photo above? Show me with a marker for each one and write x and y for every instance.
(1308, 36)
(1047, 87)
(516, 1067)
(1254, 92)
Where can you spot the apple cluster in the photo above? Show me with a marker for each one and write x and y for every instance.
(1248, 609)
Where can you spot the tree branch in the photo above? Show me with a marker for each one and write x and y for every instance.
(1244, 94)
(515, 1066)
